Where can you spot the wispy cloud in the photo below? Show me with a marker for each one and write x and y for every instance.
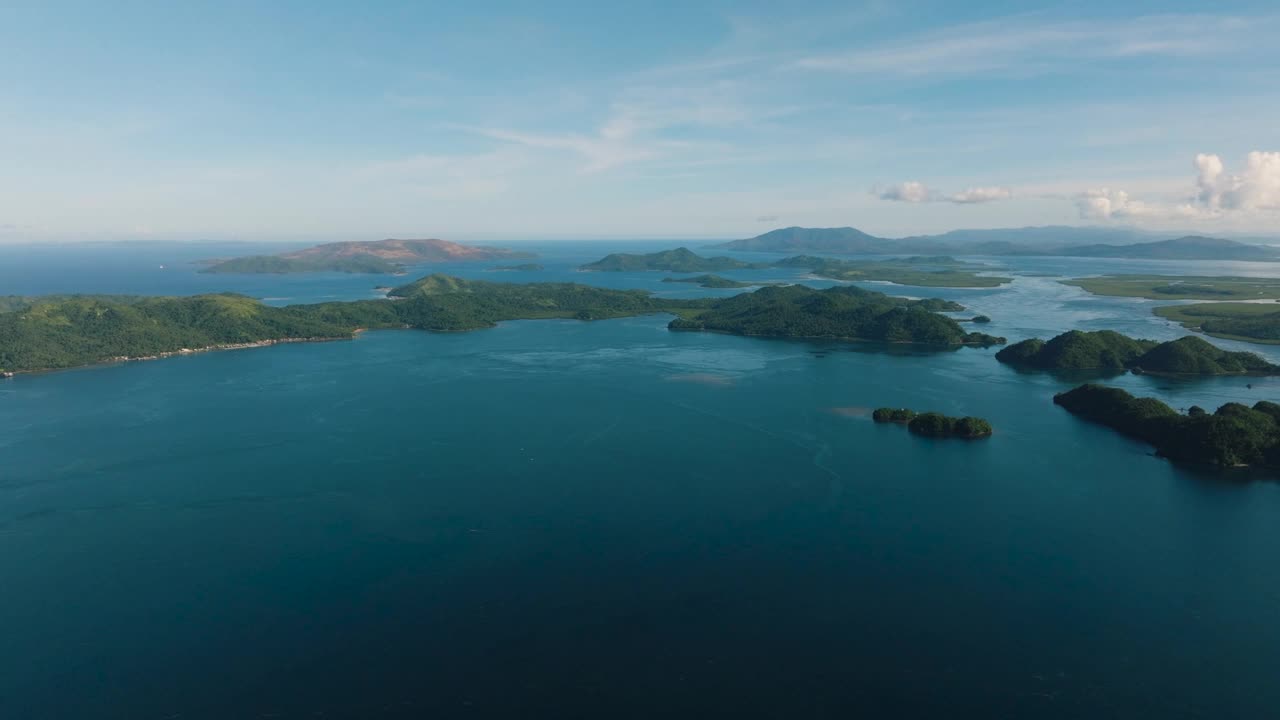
(1025, 45)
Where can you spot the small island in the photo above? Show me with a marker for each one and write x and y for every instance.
(1236, 435)
(1109, 351)
(523, 267)
(932, 424)
(682, 260)
(715, 281)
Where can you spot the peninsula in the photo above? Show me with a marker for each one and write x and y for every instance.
(715, 281)
(1106, 350)
(377, 256)
(1233, 436)
(1180, 287)
(69, 331)
(1250, 322)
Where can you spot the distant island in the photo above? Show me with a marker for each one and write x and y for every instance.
(678, 260)
(1250, 322)
(1107, 350)
(1233, 436)
(523, 267)
(934, 424)
(933, 271)
(375, 257)
(69, 331)
(1050, 241)
(715, 281)
(1180, 287)
(844, 312)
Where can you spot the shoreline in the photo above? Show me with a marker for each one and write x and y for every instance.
(182, 352)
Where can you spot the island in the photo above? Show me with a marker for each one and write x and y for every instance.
(523, 267)
(69, 331)
(1250, 322)
(1180, 287)
(936, 271)
(1236, 435)
(932, 424)
(922, 271)
(715, 281)
(682, 260)
(374, 257)
(1106, 350)
(844, 312)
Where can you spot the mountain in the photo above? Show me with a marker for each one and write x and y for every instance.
(1051, 240)
(678, 260)
(375, 256)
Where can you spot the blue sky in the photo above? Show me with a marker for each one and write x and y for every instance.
(326, 120)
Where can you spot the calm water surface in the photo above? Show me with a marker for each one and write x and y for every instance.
(608, 519)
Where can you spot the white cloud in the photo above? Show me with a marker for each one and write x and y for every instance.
(1217, 193)
(1257, 187)
(917, 192)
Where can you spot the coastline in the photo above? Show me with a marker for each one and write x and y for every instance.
(118, 359)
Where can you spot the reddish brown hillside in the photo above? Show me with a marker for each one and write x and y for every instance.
(402, 251)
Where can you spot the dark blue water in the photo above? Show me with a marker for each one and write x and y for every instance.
(566, 519)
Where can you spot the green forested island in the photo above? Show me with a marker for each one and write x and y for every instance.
(930, 271)
(838, 312)
(1110, 351)
(1234, 435)
(934, 424)
(522, 267)
(935, 271)
(68, 331)
(713, 281)
(1251, 322)
(1180, 287)
(679, 260)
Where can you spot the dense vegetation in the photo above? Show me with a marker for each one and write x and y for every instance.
(1234, 435)
(280, 265)
(679, 260)
(1177, 287)
(713, 281)
(1251, 322)
(1108, 350)
(934, 424)
(66, 331)
(838, 312)
(902, 416)
(935, 271)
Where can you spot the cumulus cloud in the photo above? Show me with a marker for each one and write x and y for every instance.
(1217, 193)
(917, 192)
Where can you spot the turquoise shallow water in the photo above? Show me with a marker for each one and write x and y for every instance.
(608, 519)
